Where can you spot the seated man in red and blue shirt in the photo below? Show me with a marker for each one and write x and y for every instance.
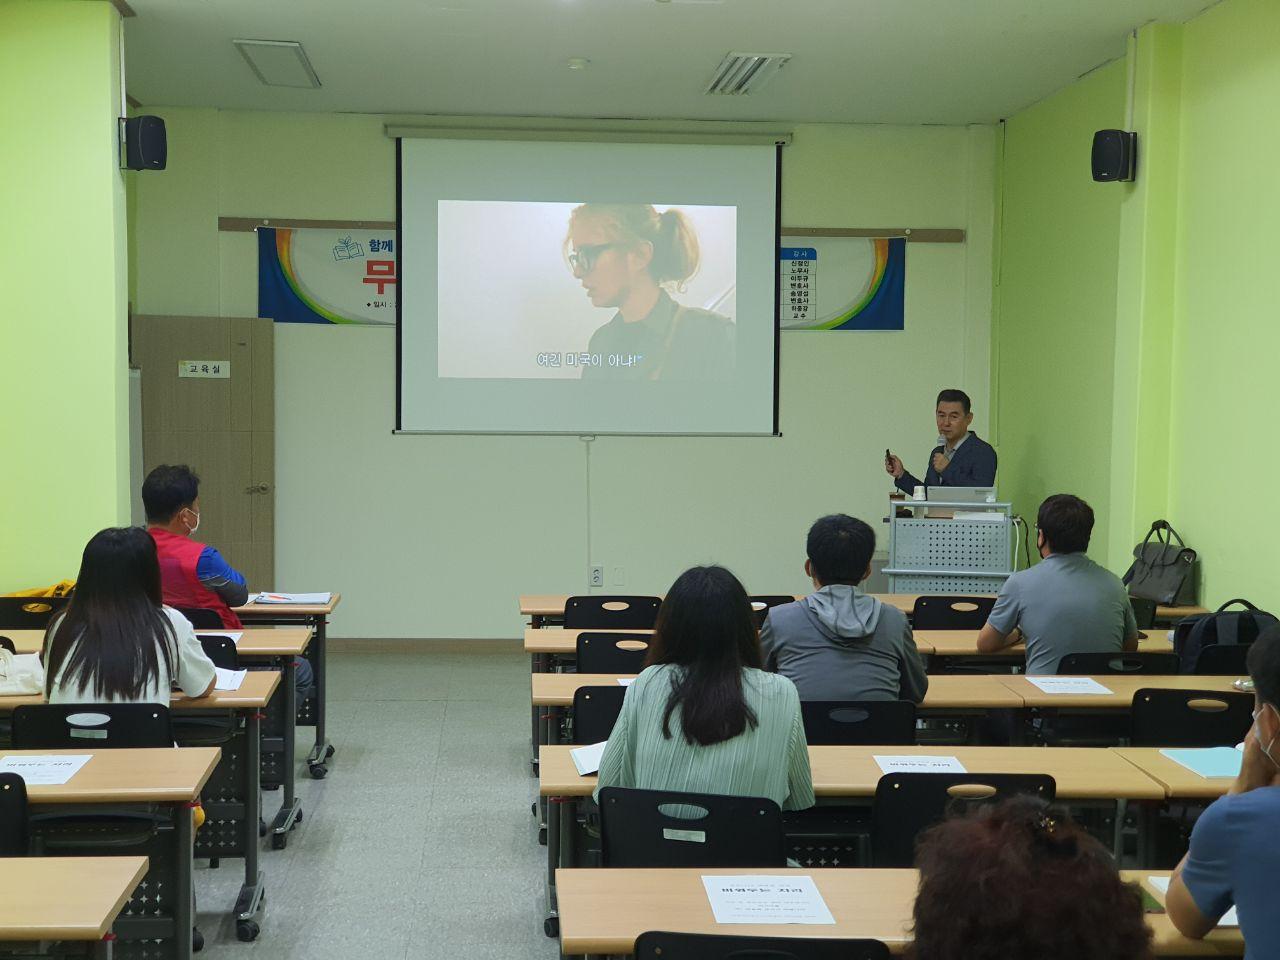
(194, 576)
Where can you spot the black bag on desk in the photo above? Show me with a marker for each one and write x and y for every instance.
(1193, 634)
(1162, 570)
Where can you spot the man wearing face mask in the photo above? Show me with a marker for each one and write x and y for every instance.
(192, 575)
(1234, 857)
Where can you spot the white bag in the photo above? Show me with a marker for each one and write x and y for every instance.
(20, 675)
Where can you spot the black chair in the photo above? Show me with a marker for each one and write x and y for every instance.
(656, 945)
(1223, 660)
(201, 618)
(1144, 611)
(1097, 664)
(662, 828)
(595, 711)
(605, 653)
(6, 643)
(221, 650)
(71, 726)
(1189, 718)
(951, 613)
(762, 603)
(13, 816)
(907, 803)
(853, 722)
(611, 613)
(29, 613)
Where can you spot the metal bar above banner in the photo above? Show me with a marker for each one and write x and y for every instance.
(912, 234)
(250, 224)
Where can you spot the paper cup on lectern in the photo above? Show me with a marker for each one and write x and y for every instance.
(918, 493)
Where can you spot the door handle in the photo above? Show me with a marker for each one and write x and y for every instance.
(258, 488)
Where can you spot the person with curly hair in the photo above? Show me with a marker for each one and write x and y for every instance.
(1019, 880)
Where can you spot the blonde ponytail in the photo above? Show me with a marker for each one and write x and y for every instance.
(671, 235)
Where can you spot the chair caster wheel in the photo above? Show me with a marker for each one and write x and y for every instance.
(247, 930)
(551, 927)
(197, 940)
(298, 818)
(214, 863)
(319, 771)
(328, 751)
(542, 836)
(533, 808)
(262, 827)
(279, 841)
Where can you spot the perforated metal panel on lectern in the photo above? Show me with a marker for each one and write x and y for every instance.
(937, 555)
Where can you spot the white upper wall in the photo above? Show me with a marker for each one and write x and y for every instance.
(436, 536)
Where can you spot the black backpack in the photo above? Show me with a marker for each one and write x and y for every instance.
(1193, 634)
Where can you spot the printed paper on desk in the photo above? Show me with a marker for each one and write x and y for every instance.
(303, 599)
(1075, 685)
(1212, 763)
(626, 681)
(232, 635)
(228, 679)
(919, 764)
(45, 770)
(766, 899)
(1229, 919)
(587, 759)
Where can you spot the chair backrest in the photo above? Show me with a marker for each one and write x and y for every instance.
(221, 650)
(1092, 664)
(907, 803)
(1189, 718)
(611, 613)
(1223, 660)
(201, 618)
(595, 711)
(951, 613)
(600, 652)
(13, 816)
(853, 722)
(1144, 611)
(659, 945)
(29, 613)
(663, 828)
(71, 726)
(761, 604)
(7, 644)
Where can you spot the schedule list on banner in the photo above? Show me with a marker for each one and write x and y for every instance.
(798, 285)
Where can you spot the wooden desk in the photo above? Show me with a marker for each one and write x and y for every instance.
(315, 616)
(1177, 781)
(1122, 690)
(605, 911)
(66, 898)
(256, 642)
(964, 643)
(254, 692)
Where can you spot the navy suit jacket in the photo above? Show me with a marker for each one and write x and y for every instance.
(974, 465)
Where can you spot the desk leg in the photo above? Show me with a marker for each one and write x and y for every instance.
(318, 759)
(250, 899)
(290, 806)
(1122, 810)
(551, 925)
(102, 949)
(184, 902)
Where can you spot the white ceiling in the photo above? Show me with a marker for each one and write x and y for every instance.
(886, 61)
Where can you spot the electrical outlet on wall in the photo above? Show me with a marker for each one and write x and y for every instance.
(619, 577)
(596, 577)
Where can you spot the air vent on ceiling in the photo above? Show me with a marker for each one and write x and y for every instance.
(278, 63)
(743, 73)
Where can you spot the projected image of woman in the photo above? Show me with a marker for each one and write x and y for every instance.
(631, 259)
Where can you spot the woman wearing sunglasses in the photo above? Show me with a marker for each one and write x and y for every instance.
(630, 258)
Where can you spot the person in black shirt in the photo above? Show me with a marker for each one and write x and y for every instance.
(629, 257)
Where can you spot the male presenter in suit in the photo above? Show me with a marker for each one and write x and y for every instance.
(961, 458)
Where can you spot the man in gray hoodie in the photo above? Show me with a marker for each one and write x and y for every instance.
(838, 643)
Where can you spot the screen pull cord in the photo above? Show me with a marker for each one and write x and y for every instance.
(587, 439)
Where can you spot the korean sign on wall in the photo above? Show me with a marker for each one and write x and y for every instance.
(327, 276)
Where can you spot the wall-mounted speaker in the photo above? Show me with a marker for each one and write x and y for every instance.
(146, 146)
(1115, 154)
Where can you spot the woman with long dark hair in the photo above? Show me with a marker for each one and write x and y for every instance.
(703, 717)
(115, 642)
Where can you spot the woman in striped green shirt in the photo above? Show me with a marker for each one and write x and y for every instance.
(703, 717)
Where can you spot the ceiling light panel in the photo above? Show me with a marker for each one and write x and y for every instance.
(278, 63)
(740, 74)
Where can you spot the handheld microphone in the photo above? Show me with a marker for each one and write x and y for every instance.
(942, 442)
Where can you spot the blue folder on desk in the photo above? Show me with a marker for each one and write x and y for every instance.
(1208, 762)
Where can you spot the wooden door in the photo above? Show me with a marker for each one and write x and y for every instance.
(223, 428)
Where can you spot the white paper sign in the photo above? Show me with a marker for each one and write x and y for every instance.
(626, 681)
(1069, 685)
(587, 759)
(766, 899)
(299, 598)
(228, 679)
(45, 770)
(919, 764)
(205, 369)
(233, 635)
(1229, 919)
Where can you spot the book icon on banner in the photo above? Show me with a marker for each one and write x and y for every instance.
(348, 249)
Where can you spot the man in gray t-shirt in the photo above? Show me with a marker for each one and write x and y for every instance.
(1066, 603)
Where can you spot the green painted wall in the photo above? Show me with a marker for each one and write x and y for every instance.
(63, 345)
(1227, 337)
(1054, 332)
